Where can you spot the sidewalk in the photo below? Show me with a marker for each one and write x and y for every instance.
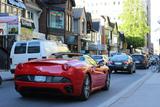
(6, 75)
(146, 95)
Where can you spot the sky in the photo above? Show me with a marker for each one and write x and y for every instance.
(155, 18)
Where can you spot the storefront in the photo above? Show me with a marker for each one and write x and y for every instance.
(9, 29)
(27, 27)
(72, 42)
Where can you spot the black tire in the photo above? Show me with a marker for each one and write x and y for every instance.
(115, 71)
(86, 88)
(134, 71)
(107, 82)
(130, 71)
(24, 94)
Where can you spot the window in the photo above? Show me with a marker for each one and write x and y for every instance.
(90, 61)
(29, 15)
(83, 26)
(20, 48)
(67, 25)
(56, 19)
(23, 13)
(114, 3)
(4, 1)
(34, 47)
(118, 2)
(70, 24)
(2, 8)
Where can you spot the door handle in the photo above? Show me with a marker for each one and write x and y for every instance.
(31, 59)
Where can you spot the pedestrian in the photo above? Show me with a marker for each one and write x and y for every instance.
(0, 80)
(159, 63)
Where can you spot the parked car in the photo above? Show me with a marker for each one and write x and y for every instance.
(23, 51)
(122, 62)
(141, 61)
(68, 73)
(99, 58)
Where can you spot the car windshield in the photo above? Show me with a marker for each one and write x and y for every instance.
(138, 57)
(76, 56)
(67, 56)
(97, 57)
(119, 58)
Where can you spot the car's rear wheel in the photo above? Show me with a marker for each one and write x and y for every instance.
(24, 94)
(130, 71)
(107, 83)
(86, 88)
(115, 71)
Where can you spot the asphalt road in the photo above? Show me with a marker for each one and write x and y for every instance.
(10, 98)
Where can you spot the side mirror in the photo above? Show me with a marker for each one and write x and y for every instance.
(101, 63)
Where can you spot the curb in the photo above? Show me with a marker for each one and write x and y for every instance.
(130, 89)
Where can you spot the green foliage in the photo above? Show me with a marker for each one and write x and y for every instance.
(134, 22)
(136, 41)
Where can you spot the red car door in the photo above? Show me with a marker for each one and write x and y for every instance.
(101, 75)
(97, 73)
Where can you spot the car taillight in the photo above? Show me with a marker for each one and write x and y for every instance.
(19, 66)
(10, 60)
(126, 62)
(110, 62)
(66, 67)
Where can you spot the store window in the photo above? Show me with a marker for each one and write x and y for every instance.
(56, 19)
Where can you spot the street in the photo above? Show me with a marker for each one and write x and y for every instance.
(119, 82)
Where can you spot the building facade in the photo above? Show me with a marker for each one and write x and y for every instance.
(30, 21)
(56, 19)
(10, 13)
(79, 26)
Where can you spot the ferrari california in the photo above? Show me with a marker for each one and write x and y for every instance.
(69, 74)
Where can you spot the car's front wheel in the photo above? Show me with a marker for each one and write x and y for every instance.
(107, 82)
(86, 88)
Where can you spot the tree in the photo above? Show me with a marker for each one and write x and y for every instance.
(134, 22)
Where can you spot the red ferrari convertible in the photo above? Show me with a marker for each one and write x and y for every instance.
(67, 73)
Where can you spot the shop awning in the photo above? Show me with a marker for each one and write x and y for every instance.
(17, 3)
(9, 19)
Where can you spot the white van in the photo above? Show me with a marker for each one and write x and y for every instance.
(24, 51)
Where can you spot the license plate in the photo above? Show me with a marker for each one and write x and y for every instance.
(40, 78)
(137, 61)
(118, 63)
